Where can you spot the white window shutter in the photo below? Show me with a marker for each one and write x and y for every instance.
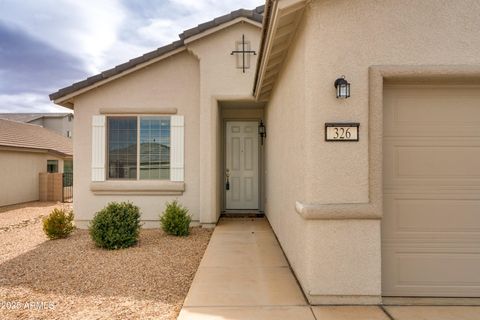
(177, 137)
(98, 148)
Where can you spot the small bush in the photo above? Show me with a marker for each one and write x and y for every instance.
(175, 220)
(116, 226)
(58, 224)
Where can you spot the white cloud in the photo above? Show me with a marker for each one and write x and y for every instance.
(158, 30)
(102, 33)
(193, 12)
(209, 7)
(28, 102)
(91, 30)
(82, 29)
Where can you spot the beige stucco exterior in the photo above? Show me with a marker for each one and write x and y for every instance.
(324, 200)
(219, 81)
(191, 83)
(327, 217)
(19, 172)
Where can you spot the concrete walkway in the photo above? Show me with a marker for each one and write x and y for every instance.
(244, 275)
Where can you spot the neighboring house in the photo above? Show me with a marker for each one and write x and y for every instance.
(25, 151)
(58, 122)
(393, 212)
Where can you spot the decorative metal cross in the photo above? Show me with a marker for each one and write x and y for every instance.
(243, 52)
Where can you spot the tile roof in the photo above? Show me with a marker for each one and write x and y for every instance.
(27, 117)
(254, 15)
(25, 135)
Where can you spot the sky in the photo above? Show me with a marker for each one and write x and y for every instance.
(46, 45)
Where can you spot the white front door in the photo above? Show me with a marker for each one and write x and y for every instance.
(241, 165)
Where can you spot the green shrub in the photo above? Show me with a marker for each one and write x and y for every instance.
(58, 224)
(116, 226)
(175, 220)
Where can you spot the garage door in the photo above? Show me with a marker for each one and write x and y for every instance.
(431, 224)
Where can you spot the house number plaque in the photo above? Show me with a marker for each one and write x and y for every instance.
(337, 132)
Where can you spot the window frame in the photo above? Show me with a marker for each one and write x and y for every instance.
(107, 153)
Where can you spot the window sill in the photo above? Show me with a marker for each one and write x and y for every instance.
(158, 187)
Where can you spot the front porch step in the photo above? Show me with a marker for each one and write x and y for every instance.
(242, 214)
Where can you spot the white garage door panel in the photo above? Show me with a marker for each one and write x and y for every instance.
(421, 271)
(428, 111)
(420, 161)
(438, 162)
(409, 216)
(431, 224)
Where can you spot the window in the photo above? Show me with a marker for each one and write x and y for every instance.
(52, 166)
(139, 147)
(122, 148)
(154, 148)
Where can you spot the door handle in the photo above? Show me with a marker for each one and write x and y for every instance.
(227, 184)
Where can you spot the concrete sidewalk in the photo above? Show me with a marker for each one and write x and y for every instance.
(244, 275)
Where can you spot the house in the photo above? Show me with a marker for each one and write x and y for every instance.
(61, 122)
(26, 150)
(373, 195)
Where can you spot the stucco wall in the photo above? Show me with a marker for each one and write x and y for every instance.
(220, 80)
(285, 159)
(371, 33)
(194, 82)
(170, 83)
(342, 257)
(38, 122)
(19, 172)
(60, 125)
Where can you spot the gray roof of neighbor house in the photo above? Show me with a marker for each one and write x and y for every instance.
(17, 134)
(27, 117)
(254, 15)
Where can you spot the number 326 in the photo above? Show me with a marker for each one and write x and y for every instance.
(342, 133)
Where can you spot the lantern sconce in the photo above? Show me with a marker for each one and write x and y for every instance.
(262, 131)
(343, 88)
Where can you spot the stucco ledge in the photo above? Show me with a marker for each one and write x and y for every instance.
(138, 187)
(315, 211)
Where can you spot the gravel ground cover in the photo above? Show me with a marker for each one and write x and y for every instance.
(72, 279)
(23, 214)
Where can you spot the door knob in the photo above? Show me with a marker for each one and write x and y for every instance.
(227, 184)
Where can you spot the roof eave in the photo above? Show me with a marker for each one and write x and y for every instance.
(6, 147)
(64, 97)
(283, 18)
(221, 27)
(68, 101)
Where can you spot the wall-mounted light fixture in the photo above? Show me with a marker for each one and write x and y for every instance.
(343, 88)
(262, 131)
